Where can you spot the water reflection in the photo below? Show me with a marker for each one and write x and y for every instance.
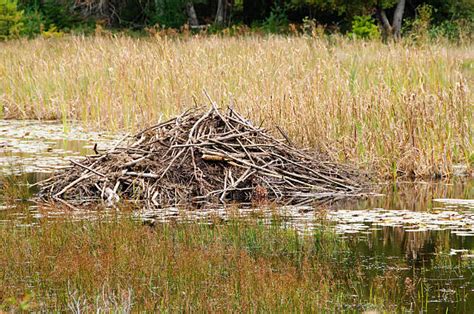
(424, 260)
(415, 196)
(436, 266)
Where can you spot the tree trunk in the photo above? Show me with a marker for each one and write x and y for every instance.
(392, 30)
(220, 15)
(387, 28)
(397, 19)
(192, 17)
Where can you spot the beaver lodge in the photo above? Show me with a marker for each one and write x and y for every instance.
(202, 157)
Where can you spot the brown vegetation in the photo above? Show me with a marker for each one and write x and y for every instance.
(400, 110)
(205, 156)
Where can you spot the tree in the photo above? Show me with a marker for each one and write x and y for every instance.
(255, 10)
(224, 8)
(393, 29)
(10, 19)
(351, 8)
(220, 14)
(192, 16)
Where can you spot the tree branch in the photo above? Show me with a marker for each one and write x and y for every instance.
(382, 16)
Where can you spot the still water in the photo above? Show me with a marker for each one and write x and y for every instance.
(421, 234)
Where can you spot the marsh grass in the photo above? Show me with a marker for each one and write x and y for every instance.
(242, 265)
(14, 189)
(398, 110)
(118, 265)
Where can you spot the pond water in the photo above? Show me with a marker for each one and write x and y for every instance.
(421, 233)
(36, 147)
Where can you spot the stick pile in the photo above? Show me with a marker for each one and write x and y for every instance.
(204, 157)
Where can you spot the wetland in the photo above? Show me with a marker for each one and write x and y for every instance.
(410, 247)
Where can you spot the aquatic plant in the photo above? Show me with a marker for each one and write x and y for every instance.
(186, 266)
(117, 263)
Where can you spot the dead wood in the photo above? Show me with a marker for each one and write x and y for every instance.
(205, 157)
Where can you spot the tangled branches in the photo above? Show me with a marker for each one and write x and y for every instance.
(204, 157)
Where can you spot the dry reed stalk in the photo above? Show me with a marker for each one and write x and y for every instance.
(401, 110)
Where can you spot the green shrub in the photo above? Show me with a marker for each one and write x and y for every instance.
(10, 19)
(33, 23)
(168, 13)
(277, 21)
(456, 31)
(364, 27)
(60, 14)
(421, 25)
(52, 32)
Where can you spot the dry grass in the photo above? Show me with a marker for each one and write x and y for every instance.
(400, 110)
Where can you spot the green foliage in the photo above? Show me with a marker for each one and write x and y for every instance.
(458, 9)
(53, 17)
(426, 27)
(52, 32)
(33, 21)
(452, 19)
(456, 31)
(58, 13)
(418, 28)
(168, 13)
(277, 22)
(364, 27)
(10, 19)
(346, 7)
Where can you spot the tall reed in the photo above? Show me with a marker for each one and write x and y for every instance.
(398, 109)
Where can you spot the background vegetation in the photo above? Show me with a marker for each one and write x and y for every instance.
(452, 19)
